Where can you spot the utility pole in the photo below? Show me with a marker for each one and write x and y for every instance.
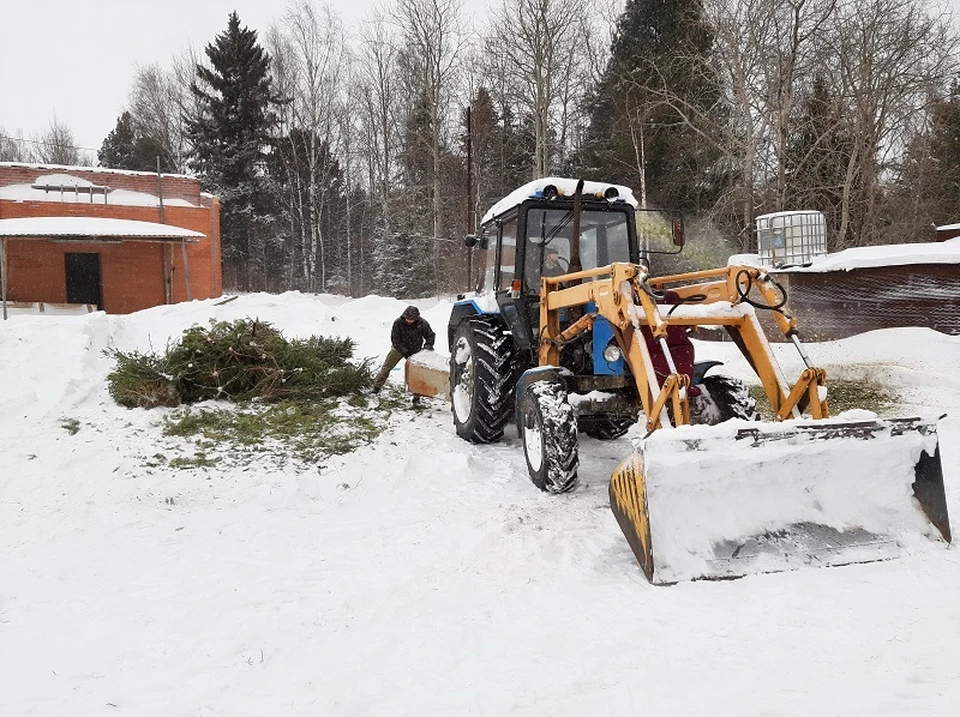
(470, 215)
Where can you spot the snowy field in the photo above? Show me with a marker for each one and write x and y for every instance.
(420, 575)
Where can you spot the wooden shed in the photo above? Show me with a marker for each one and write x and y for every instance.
(866, 288)
(122, 241)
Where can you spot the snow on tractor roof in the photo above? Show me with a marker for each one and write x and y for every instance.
(565, 188)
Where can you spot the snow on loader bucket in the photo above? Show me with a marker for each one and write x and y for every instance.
(714, 502)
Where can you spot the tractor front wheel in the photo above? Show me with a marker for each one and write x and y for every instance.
(548, 429)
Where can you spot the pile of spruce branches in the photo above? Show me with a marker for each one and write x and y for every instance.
(244, 360)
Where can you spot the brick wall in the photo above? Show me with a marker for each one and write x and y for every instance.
(175, 186)
(132, 272)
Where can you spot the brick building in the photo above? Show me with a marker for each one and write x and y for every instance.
(120, 240)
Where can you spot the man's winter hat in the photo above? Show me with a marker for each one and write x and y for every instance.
(411, 312)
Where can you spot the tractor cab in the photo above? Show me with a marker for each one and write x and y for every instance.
(551, 228)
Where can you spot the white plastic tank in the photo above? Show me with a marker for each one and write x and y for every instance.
(791, 238)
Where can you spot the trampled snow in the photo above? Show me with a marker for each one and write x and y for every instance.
(420, 575)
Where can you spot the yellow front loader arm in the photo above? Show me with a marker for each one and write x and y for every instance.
(626, 296)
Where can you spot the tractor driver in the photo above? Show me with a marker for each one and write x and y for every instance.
(551, 262)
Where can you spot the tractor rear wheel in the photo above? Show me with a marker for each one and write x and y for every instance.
(548, 429)
(722, 398)
(605, 429)
(482, 368)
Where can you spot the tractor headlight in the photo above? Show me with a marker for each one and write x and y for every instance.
(612, 354)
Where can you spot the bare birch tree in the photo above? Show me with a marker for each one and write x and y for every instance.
(767, 53)
(56, 145)
(377, 95)
(13, 148)
(890, 55)
(540, 51)
(157, 102)
(433, 42)
(311, 58)
(878, 62)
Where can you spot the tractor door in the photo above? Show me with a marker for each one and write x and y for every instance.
(510, 296)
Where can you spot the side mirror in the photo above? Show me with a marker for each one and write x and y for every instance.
(477, 241)
(678, 237)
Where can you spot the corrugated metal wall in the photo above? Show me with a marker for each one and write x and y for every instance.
(838, 304)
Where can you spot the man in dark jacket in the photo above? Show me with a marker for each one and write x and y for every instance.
(410, 334)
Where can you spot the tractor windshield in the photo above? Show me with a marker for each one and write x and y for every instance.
(604, 239)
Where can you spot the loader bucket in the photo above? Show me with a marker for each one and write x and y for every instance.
(715, 502)
(428, 374)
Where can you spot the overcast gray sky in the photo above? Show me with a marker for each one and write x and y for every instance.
(76, 58)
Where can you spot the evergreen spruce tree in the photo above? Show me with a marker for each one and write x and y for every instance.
(127, 147)
(229, 137)
(635, 136)
(927, 190)
(407, 260)
(118, 148)
(502, 155)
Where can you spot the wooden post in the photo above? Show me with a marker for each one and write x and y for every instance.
(186, 269)
(164, 247)
(3, 274)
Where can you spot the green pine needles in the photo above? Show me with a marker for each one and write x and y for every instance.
(297, 400)
(244, 360)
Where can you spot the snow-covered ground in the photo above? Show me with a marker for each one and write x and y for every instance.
(420, 575)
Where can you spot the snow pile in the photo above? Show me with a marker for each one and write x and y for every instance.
(62, 180)
(866, 257)
(92, 227)
(61, 187)
(431, 360)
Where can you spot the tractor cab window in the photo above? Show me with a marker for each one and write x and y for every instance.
(507, 254)
(489, 260)
(604, 238)
(548, 246)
